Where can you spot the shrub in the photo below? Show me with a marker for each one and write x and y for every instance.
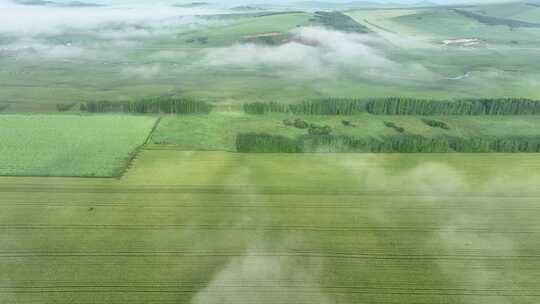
(392, 125)
(319, 130)
(347, 123)
(436, 124)
(60, 107)
(300, 123)
(288, 122)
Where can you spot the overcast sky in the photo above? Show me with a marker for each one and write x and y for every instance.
(273, 1)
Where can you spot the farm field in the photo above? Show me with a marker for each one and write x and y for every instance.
(70, 145)
(216, 227)
(218, 130)
(269, 153)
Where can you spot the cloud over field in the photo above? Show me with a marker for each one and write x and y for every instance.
(145, 72)
(263, 279)
(105, 32)
(320, 52)
(31, 20)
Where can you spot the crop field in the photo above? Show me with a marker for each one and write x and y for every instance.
(216, 227)
(69, 145)
(218, 131)
(287, 152)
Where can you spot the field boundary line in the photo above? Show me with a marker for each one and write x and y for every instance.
(133, 155)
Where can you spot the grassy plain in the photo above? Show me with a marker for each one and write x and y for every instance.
(215, 227)
(179, 63)
(70, 145)
(218, 131)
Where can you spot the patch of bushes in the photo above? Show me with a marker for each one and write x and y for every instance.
(347, 123)
(297, 123)
(60, 107)
(436, 124)
(392, 125)
(338, 21)
(288, 122)
(3, 108)
(313, 129)
(166, 105)
(319, 130)
(300, 123)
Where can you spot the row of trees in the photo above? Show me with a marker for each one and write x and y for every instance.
(168, 105)
(266, 143)
(327, 106)
(391, 144)
(310, 143)
(494, 106)
(265, 107)
(401, 106)
(506, 145)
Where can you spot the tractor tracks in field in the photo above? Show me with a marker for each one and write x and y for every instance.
(286, 228)
(242, 190)
(276, 287)
(288, 254)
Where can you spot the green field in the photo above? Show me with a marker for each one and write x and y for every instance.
(183, 62)
(70, 145)
(214, 227)
(218, 131)
(112, 189)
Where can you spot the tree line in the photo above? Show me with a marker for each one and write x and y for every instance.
(326, 106)
(167, 105)
(401, 106)
(312, 143)
(266, 143)
(484, 106)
